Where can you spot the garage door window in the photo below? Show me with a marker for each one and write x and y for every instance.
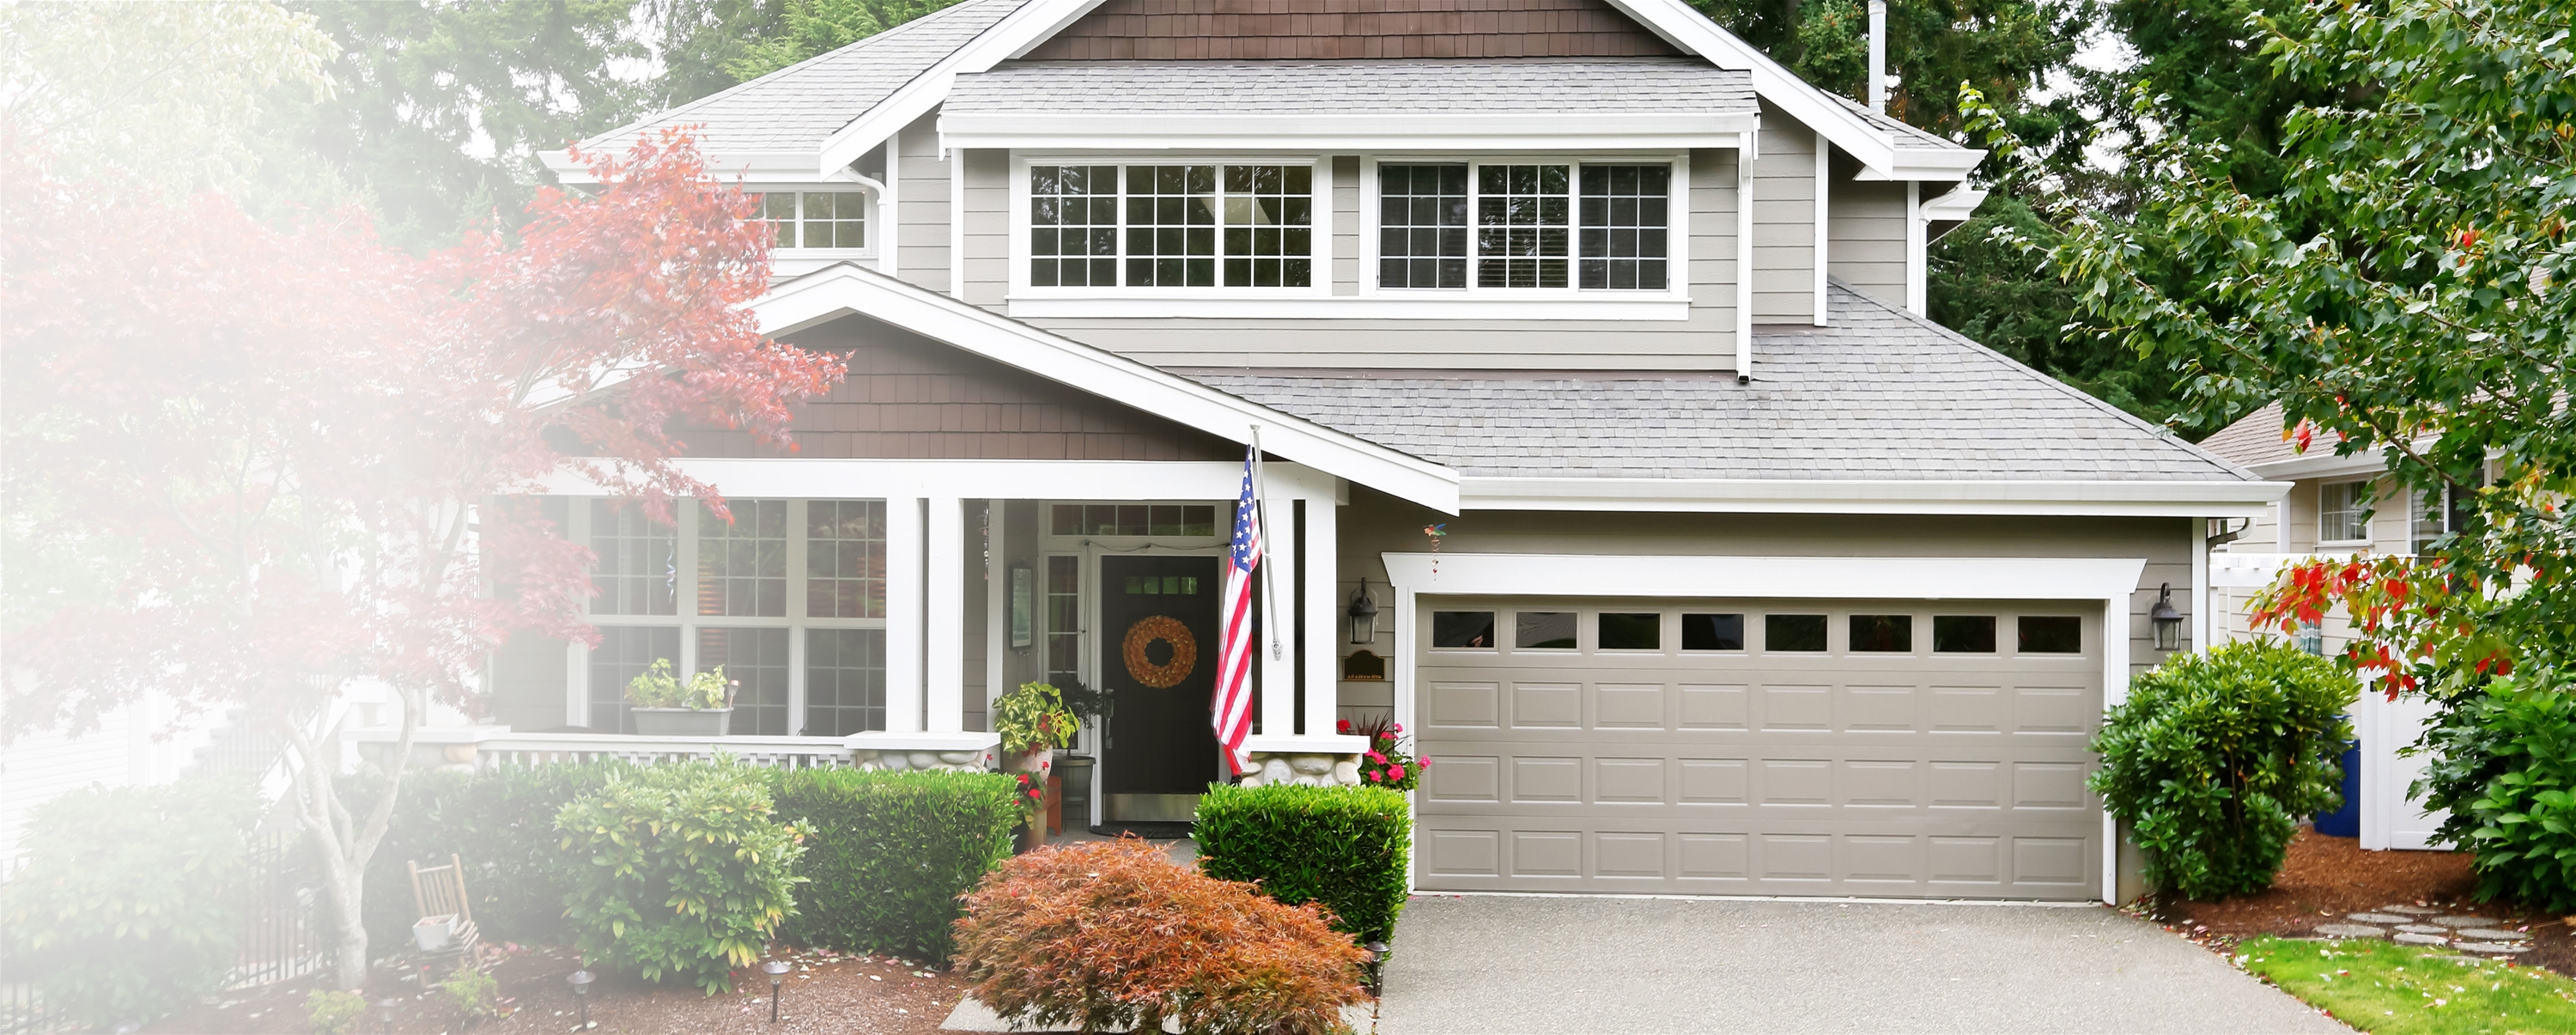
(1963, 634)
(1712, 632)
(1882, 634)
(1793, 632)
(2052, 634)
(1632, 631)
(1543, 630)
(1462, 630)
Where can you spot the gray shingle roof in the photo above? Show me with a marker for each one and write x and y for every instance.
(795, 107)
(1907, 135)
(1881, 394)
(1597, 85)
(2256, 438)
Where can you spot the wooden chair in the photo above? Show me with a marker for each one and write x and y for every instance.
(439, 891)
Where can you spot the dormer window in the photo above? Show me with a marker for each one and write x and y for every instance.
(1525, 225)
(1182, 225)
(817, 219)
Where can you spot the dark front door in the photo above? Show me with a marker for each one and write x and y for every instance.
(1158, 649)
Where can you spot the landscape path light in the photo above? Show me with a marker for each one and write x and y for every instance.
(581, 980)
(777, 971)
(387, 1004)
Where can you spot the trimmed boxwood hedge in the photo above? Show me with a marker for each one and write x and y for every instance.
(887, 854)
(1345, 847)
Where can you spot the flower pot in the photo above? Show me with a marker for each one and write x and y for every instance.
(433, 933)
(1054, 804)
(681, 722)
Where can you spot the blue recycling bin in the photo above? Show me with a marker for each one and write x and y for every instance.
(2346, 821)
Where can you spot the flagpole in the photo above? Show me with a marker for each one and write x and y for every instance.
(1261, 506)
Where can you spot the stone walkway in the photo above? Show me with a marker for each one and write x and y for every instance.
(2416, 925)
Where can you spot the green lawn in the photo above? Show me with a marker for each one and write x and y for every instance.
(2392, 989)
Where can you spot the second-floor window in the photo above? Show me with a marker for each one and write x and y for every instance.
(817, 219)
(2343, 512)
(1524, 225)
(1171, 226)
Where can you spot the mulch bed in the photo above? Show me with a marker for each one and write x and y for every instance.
(829, 992)
(2327, 878)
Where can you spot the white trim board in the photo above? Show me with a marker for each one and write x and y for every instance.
(1102, 480)
(1886, 578)
(843, 290)
(1892, 496)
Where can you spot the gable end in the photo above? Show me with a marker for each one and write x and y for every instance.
(1327, 30)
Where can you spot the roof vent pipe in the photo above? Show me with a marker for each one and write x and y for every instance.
(1878, 56)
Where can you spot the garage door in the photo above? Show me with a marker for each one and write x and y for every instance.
(1875, 748)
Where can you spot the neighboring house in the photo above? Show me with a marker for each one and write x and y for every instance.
(1753, 580)
(2337, 507)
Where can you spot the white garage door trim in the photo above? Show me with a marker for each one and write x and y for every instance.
(2106, 581)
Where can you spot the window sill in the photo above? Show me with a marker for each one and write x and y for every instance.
(1659, 306)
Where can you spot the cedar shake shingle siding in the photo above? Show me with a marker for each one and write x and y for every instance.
(908, 397)
(1327, 30)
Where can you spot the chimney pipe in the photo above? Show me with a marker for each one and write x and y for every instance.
(1878, 55)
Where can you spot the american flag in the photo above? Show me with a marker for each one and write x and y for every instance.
(1231, 709)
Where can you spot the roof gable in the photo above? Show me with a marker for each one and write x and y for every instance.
(1325, 30)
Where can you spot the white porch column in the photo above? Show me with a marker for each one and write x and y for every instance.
(1278, 617)
(1324, 625)
(903, 615)
(945, 665)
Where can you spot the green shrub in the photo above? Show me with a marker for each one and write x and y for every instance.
(2505, 765)
(2214, 757)
(501, 822)
(333, 1012)
(679, 870)
(1345, 847)
(131, 898)
(888, 854)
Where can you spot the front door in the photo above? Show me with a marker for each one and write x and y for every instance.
(1158, 618)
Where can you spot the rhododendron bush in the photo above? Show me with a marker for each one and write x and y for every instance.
(256, 467)
(1113, 934)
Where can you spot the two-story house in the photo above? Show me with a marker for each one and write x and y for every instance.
(1607, 447)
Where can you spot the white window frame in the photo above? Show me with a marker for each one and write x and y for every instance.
(2358, 508)
(874, 226)
(1320, 206)
(1676, 235)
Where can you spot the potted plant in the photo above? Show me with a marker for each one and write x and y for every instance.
(1034, 721)
(1385, 763)
(666, 707)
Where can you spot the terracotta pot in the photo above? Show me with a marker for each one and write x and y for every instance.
(1054, 804)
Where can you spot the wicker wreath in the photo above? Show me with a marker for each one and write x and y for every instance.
(1185, 651)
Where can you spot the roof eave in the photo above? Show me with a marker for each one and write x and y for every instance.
(2125, 498)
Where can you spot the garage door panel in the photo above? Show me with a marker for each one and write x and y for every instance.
(1750, 773)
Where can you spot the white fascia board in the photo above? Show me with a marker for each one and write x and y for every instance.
(1891, 496)
(1678, 24)
(1355, 131)
(1958, 205)
(2323, 464)
(763, 166)
(1803, 578)
(845, 289)
(1015, 34)
(794, 477)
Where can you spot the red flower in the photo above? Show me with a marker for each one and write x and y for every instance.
(1374, 755)
(1395, 773)
(1344, 725)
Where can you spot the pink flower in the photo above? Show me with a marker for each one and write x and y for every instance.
(1397, 728)
(1375, 756)
(1396, 773)
(1423, 762)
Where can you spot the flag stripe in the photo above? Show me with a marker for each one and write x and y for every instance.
(1231, 710)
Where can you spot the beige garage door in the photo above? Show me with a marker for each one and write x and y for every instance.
(1876, 748)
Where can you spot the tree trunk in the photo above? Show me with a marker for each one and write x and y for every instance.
(346, 846)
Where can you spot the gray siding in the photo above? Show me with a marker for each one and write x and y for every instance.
(1866, 233)
(1704, 341)
(1346, 225)
(921, 202)
(988, 227)
(1784, 222)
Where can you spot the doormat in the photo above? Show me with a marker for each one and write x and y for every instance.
(1148, 831)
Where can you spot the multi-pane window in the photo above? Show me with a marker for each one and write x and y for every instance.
(755, 662)
(2343, 512)
(845, 689)
(1064, 620)
(1422, 226)
(623, 653)
(638, 570)
(1073, 225)
(1521, 225)
(2439, 512)
(742, 566)
(1535, 225)
(845, 558)
(817, 219)
(1624, 220)
(1171, 226)
(1134, 519)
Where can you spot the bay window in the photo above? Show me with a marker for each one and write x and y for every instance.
(1212, 225)
(1525, 225)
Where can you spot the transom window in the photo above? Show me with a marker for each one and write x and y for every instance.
(1534, 225)
(1167, 226)
(817, 219)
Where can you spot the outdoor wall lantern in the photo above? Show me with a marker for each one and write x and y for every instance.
(777, 971)
(2167, 620)
(1363, 615)
(1023, 603)
(580, 980)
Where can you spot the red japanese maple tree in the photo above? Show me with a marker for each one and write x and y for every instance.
(253, 466)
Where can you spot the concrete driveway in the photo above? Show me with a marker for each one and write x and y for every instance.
(1528, 964)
